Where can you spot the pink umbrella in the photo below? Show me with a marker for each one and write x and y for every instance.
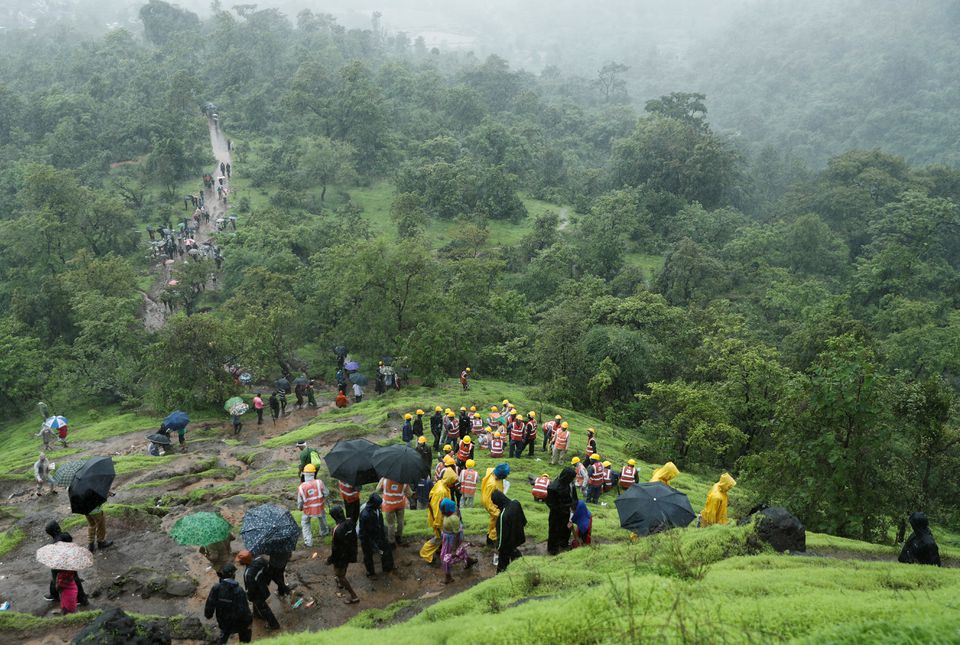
(189, 241)
(173, 283)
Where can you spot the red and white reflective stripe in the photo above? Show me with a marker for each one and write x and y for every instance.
(628, 476)
(349, 493)
(516, 432)
(597, 474)
(464, 452)
(393, 498)
(313, 500)
(438, 471)
(561, 438)
(540, 487)
(496, 447)
(468, 481)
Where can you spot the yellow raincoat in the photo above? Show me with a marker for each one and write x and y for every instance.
(489, 484)
(665, 473)
(715, 511)
(440, 491)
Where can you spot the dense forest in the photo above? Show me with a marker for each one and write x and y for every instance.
(735, 308)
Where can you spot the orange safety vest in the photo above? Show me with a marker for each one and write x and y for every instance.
(496, 447)
(560, 439)
(454, 430)
(607, 477)
(468, 481)
(313, 494)
(597, 474)
(393, 497)
(463, 453)
(348, 492)
(476, 424)
(581, 474)
(628, 476)
(540, 487)
(438, 471)
(516, 431)
(530, 430)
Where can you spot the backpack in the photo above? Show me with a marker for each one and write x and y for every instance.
(232, 607)
(315, 458)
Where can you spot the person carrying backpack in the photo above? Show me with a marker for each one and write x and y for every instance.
(228, 601)
(308, 456)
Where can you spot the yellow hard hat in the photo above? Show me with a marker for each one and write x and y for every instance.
(408, 416)
(476, 415)
(463, 408)
(631, 462)
(531, 414)
(506, 402)
(557, 418)
(468, 369)
(591, 431)
(513, 411)
(438, 409)
(447, 448)
(595, 457)
(575, 460)
(448, 460)
(564, 425)
(473, 408)
(421, 439)
(419, 412)
(450, 413)
(309, 468)
(494, 408)
(544, 475)
(497, 434)
(606, 464)
(470, 463)
(488, 429)
(466, 440)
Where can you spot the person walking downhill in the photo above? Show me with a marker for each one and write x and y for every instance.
(228, 602)
(97, 529)
(351, 499)
(343, 551)
(274, 407)
(258, 407)
(58, 535)
(311, 500)
(46, 436)
(442, 490)
(256, 579)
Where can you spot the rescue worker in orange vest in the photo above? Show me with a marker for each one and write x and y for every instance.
(517, 431)
(442, 462)
(465, 379)
(464, 451)
(451, 427)
(597, 474)
(628, 476)
(496, 445)
(582, 476)
(312, 500)
(540, 487)
(548, 429)
(442, 490)
(351, 500)
(591, 443)
(476, 421)
(468, 484)
(561, 438)
(394, 497)
(493, 419)
(610, 478)
(530, 432)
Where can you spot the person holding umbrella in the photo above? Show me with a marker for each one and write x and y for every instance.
(373, 536)
(177, 420)
(97, 529)
(66, 558)
(228, 601)
(58, 535)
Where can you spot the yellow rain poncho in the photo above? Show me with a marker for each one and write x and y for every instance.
(665, 473)
(715, 511)
(489, 484)
(440, 491)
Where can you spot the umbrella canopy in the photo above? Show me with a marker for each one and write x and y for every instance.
(301, 380)
(239, 408)
(56, 422)
(162, 439)
(231, 402)
(177, 420)
(645, 508)
(91, 485)
(351, 461)
(246, 378)
(282, 384)
(400, 463)
(269, 529)
(200, 529)
(64, 474)
(352, 365)
(359, 379)
(65, 556)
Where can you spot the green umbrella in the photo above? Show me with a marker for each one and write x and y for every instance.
(200, 529)
(232, 402)
(63, 475)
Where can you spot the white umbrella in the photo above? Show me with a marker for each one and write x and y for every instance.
(65, 556)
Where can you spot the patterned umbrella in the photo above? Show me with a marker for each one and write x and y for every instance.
(200, 529)
(231, 402)
(63, 475)
(65, 556)
(56, 422)
(269, 529)
(239, 408)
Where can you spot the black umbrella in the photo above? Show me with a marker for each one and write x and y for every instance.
(282, 384)
(91, 485)
(646, 508)
(351, 462)
(400, 463)
(162, 439)
(301, 380)
(359, 379)
(340, 350)
(269, 529)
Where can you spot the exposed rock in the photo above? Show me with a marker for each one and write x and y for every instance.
(779, 528)
(189, 628)
(113, 627)
(147, 583)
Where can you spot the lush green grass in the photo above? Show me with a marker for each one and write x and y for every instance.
(11, 539)
(12, 621)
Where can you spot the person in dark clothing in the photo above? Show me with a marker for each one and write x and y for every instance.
(422, 498)
(228, 171)
(464, 423)
(256, 579)
(436, 426)
(53, 530)
(561, 499)
(276, 569)
(298, 392)
(343, 551)
(418, 424)
(228, 601)
(920, 547)
(510, 526)
(282, 397)
(373, 535)
(223, 169)
(274, 406)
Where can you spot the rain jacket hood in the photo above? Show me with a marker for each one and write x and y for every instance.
(726, 482)
(375, 500)
(919, 522)
(665, 473)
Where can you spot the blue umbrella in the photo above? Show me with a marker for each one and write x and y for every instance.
(177, 420)
(56, 422)
(269, 529)
(352, 366)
